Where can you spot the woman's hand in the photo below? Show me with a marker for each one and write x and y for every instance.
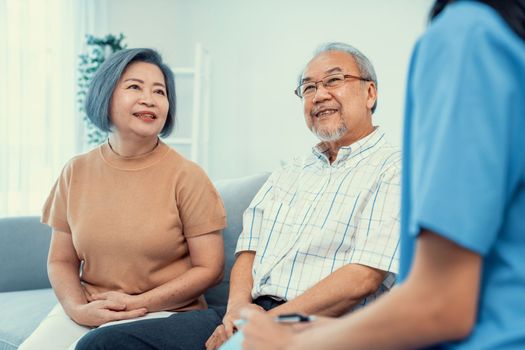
(130, 302)
(98, 312)
(63, 266)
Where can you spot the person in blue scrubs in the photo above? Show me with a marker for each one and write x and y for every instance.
(463, 206)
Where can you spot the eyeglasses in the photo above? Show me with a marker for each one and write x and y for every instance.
(331, 81)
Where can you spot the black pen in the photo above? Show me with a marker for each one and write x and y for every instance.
(293, 318)
(283, 318)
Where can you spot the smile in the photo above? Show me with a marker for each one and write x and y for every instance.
(325, 113)
(145, 116)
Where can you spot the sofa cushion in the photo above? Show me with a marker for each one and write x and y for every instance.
(237, 195)
(25, 242)
(21, 314)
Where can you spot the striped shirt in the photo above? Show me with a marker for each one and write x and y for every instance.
(312, 217)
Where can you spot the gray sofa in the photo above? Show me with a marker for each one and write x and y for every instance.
(25, 293)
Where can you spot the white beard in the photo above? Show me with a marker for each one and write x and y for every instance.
(332, 135)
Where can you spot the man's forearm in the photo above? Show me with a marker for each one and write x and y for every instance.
(436, 303)
(359, 330)
(394, 322)
(241, 279)
(337, 293)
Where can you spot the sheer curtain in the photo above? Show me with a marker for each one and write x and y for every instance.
(39, 123)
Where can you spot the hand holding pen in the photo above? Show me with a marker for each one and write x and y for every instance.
(256, 326)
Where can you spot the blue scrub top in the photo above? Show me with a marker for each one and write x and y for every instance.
(464, 159)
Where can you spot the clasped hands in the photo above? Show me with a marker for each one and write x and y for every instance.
(106, 307)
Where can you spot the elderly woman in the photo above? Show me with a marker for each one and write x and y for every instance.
(140, 222)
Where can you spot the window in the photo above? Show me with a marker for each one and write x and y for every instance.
(39, 42)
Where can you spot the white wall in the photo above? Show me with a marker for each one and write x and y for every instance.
(257, 50)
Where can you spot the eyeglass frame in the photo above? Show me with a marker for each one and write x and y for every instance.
(346, 76)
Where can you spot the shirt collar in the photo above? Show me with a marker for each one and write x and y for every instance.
(362, 145)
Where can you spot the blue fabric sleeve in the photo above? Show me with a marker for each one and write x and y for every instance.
(457, 190)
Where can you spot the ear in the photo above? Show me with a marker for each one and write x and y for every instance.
(371, 95)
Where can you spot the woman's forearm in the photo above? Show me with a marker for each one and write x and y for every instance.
(65, 280)
(180, 291)
(207, 258)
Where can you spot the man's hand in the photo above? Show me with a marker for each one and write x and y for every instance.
(224, 331)
(98, 312)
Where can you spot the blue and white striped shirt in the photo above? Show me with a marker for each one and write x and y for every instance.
(312, 217)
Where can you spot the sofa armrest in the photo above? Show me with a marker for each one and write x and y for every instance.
(24, 243)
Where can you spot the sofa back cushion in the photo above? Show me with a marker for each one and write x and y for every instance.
(237, 195)
(25, 242)
(23, 253)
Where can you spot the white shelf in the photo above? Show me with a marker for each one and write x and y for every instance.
(197, 142)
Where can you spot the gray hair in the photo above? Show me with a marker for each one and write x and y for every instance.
(365, 67)
(100, 92)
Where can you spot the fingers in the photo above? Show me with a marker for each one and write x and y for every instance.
(250, 313)
(221, 336)
(125, 315)
(262, 332)
(255, 319)
(210, 343)
(217, 338)
(232, 316)
(111, 315)
(229, 328)
(113, 305)
(100, 312)
(98, 296)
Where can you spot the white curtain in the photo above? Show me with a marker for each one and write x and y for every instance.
(39, 124)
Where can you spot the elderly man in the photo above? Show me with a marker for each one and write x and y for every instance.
(462, 233)
(321, 235)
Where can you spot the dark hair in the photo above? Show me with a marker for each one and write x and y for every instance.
(512, 11)
(98, 98)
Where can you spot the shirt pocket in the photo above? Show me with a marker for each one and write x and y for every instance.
(276, 231)
(338, 231)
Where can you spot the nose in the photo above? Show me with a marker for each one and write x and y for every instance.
(321, 94)
(147, 99)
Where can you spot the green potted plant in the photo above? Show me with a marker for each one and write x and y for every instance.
(98, 49)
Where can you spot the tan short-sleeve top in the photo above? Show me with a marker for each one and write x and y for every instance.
(130, 217)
